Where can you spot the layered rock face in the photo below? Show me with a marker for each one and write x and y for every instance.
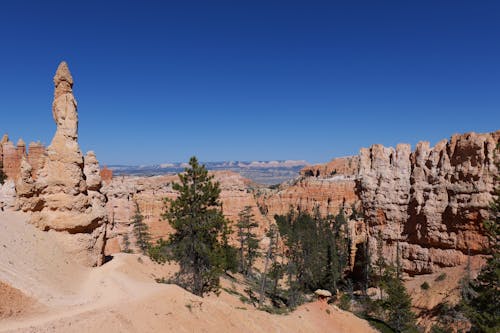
(11, 156)
(124, 192)
(329, 187)
(432, 201)
(63, 195)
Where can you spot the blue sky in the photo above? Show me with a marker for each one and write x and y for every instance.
(161, 81)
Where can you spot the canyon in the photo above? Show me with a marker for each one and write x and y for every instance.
(424, 206)
(428, 204)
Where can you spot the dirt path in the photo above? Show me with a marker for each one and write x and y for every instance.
(122, 296)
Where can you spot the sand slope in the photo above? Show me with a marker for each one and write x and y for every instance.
(122, 296)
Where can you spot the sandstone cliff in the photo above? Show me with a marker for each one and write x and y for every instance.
(329, 187)
(430, 201)
(123, 192)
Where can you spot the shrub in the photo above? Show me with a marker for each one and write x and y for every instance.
(441, 277)
(345, 302)
(425, 286)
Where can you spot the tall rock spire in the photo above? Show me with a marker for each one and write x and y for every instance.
(63, 201)
(64, 107)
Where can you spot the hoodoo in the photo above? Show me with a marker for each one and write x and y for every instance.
(65, 196)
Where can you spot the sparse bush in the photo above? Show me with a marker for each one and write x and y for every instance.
(345, 302)
(425, 286)
(440, 329)
(441, 277)
(3, 176)
(126, 244)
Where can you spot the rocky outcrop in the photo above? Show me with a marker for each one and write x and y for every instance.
(11, 157)
(36, 157)
(106, 175)
(432, 201)
(328, 187)
(63, 195)
(7, 195)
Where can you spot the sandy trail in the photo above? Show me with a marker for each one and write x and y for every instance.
(122, 296)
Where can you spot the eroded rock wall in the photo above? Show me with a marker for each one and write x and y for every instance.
(123, 192)
(326, 186)
(431, 201)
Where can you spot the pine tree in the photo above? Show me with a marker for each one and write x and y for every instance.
(270, 254)
(317, 251)
(126, 244)
(3, 176)
(229, 254)
(380, 263)
(482, 306)
(199, 227)
(249, 244)
(342, 241)
(141, 231)
(398, 302)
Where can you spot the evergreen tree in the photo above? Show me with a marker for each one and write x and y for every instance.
(380, 264)
(199, 227)
(3, 176)
(141, 231)
(160, 252)
(126, 244)
(249, 244)
(317, 250)
(270, 254)
(229, 254)
(483, 304)
(398, 302)
(342, 240)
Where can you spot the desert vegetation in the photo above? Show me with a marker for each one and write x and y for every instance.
(304, 253)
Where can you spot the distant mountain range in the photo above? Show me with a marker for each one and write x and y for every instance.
(263, 172)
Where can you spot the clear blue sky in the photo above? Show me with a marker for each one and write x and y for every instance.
(160, 81)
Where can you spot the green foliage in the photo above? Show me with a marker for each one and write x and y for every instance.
(270, 259)
(228, 253)
(397, 304)
(447, 317)
(482, 307)
(159, 252)
(126, 244)
(440, 329)
(274, 186)
(441, 277)
(345, 302)
(3, 176)
(199, 228)
(425, 286)
(317, 250)
(141, 231)
(380, 325)
(249, 244)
